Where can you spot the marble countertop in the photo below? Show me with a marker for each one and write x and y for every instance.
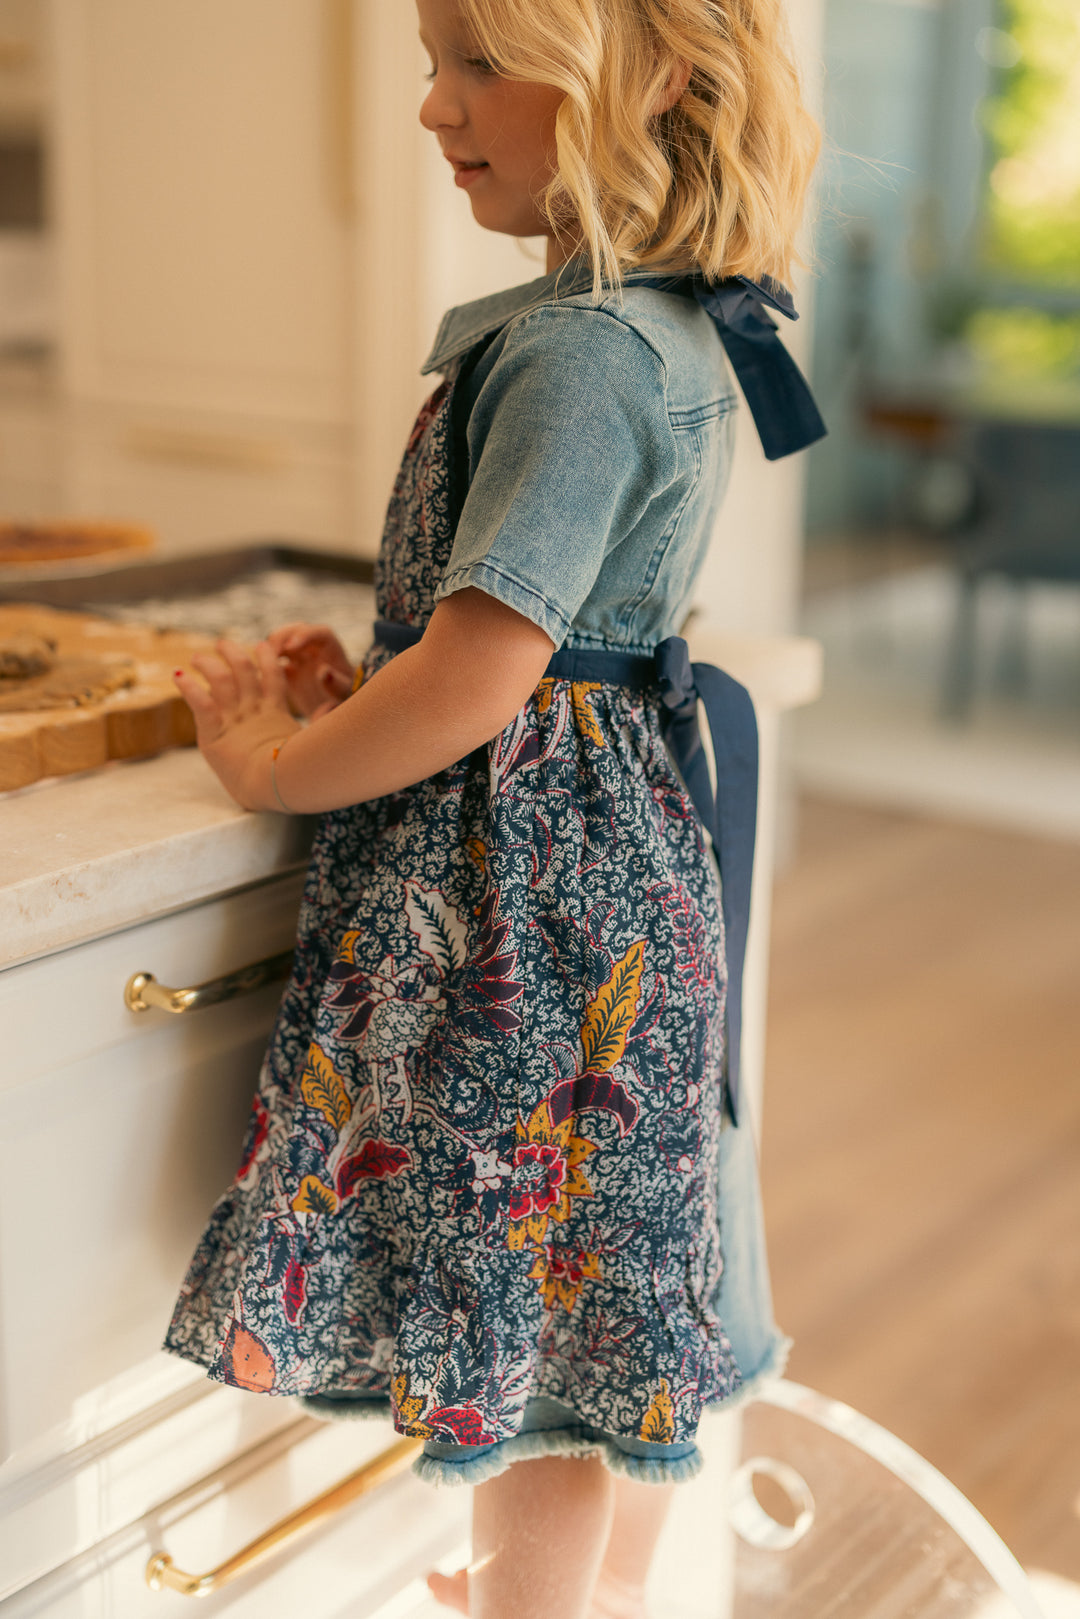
(87, 855)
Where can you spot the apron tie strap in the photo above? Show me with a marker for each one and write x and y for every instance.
(729, 815)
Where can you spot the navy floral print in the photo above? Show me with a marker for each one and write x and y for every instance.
(482, 1163)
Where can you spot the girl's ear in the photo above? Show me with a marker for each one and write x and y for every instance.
(678, 79)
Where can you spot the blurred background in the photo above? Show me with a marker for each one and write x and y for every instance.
(223, 251)
(922, 1103)
(942, 563)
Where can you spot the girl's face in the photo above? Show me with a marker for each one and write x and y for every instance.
(498, 134)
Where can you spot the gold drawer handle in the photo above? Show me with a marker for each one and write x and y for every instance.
(161, 1572)
(142, 992)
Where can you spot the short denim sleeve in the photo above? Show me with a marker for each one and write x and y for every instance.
(569, 441)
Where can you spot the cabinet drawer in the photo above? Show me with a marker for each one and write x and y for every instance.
(117, 1133)
(147, 1494)
(69, 1006)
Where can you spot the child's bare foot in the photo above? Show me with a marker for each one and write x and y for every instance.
(452, 1590)
(612, 1599)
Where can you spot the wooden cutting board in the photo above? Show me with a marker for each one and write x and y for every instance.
(142, 719)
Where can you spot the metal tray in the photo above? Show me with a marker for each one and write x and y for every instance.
(200, 574)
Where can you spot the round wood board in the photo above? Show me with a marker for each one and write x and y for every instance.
(140, 720)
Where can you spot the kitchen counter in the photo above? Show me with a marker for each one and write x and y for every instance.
(86, 855)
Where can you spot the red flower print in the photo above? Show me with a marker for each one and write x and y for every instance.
(295, 1293)
(258, 1130)
(545, 1169)
(563, 1272)
(375, 1161)
(463, 1423)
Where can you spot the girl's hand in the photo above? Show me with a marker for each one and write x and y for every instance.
(318, 675)
(241, 714)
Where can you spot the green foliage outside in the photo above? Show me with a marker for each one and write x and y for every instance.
(1033, 122)
(1031, 217)
(1023, 342)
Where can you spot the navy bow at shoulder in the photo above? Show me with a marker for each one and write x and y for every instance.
(778, 395)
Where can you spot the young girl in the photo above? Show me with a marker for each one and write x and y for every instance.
(493, 1181)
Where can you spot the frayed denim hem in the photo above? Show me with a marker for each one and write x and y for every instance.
(496, 1458)
(557, 1439)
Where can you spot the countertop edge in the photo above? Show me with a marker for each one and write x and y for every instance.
(94, 855)
(86, 856)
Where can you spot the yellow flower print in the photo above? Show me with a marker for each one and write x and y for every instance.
(323, 1088)
(314, 1197)
(562, 1273)
(658, 1424)
(407, 1407)
(544, 693)
(547, 1165)
(611, 1013)
(584, 717)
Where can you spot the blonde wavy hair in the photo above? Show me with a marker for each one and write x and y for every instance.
(717, 183)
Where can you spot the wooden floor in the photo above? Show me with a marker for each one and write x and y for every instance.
(922, 1150)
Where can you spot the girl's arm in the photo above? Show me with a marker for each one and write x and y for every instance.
(478, 663)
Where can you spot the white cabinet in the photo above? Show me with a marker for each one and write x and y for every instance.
(205, 232)
(204, 480)
(30, 455)
(117, 1132)
(169, 1463)
(255, 240)
(201, 148)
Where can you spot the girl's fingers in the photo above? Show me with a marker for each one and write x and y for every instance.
(219, 677)
(208, 720)
(286, 638)
(248, 677)
(293, 639)
(335, 681)
(272, 675)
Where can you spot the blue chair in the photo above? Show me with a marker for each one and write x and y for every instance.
(1027, 528)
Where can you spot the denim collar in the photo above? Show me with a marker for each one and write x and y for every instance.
(784, 410)
(469, 323)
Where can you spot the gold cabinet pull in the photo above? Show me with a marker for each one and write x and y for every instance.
(142, 992)
(161, 1572)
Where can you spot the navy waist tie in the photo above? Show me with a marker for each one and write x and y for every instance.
(730, 815)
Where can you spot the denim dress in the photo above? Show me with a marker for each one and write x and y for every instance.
(491, 1186)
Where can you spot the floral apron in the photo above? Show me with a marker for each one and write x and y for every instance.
(489, 1159)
